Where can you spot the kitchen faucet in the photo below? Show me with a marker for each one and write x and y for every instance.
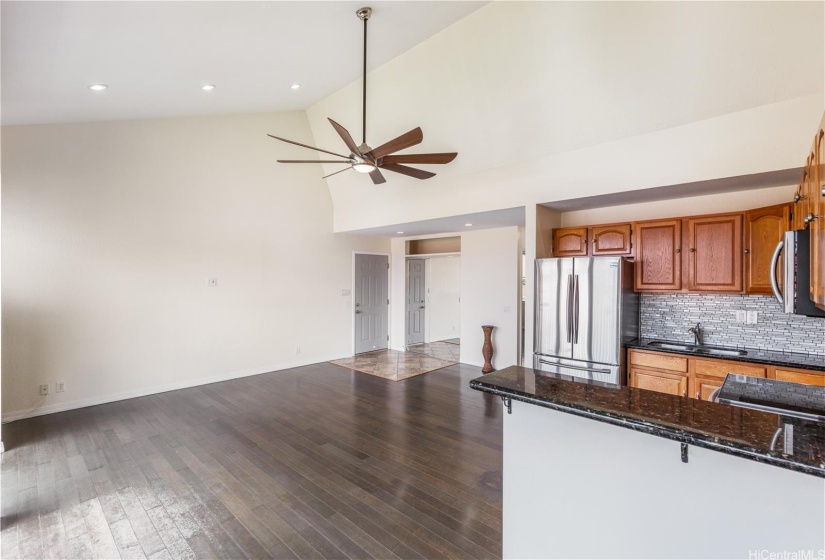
(697, 334)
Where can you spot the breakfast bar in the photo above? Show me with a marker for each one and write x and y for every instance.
(592, 470)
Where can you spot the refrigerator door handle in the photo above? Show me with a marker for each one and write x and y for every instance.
(774, 283)
(569, 307)
(571, 366)
(576, 310)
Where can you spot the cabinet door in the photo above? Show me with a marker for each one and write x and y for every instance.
(801, 376)
(570, 242)
(818, 225)
(610, 240)
(658, 381)
(715, 253)
(764, 229)
(704, 387)
(658, 255)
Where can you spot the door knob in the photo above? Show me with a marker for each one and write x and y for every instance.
(357, 311)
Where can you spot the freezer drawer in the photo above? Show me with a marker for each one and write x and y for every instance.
(609, 374)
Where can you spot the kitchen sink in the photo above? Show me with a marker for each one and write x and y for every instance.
(665, 345)
(694, 349)
(720, 351)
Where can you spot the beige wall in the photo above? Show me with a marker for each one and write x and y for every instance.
(110, 230)
(547, 101)
(708, 204)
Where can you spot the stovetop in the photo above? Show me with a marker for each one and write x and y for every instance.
(771, 395)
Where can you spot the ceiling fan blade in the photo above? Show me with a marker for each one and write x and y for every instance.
(411, 138)
(312, 161)
(376, 177)
(336, 173)
(421, 158)
(404, 170)
(345, 136)
(305, 146)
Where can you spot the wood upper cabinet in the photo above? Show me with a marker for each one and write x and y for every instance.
(610, 240)
(570, 242)
(800, 203)
(764, 228)
(818, 224)
(714, 247)
(658, 255)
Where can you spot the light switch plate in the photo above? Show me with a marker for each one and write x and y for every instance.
(212, 282)
(752, 317)
(741, 316)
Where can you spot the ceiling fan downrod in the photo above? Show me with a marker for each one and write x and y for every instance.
(364, 15)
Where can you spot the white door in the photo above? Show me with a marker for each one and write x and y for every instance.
(415, 301)
(371, 303)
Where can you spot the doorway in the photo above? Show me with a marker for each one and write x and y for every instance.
(434, 306)
(371, 302)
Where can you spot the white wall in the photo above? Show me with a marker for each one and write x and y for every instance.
(443, 295)
(634, 498)
(110, 230)
(560, 100)
(490, 264)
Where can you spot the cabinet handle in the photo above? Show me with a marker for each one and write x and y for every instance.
(692, 250)
(678, 250)
(797, 197)
(810, 218)
(697, 394)
(747, 251)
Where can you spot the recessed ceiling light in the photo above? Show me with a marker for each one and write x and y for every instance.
(98, 87)
(295, 86)
(208, 87)
(468, 225)
(399, 232)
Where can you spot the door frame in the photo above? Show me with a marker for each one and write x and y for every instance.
(351, 304)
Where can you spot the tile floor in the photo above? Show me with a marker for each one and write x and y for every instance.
(394, 365)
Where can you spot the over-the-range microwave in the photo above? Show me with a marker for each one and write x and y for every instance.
(794, 294)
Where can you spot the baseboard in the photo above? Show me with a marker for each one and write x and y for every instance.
(174, 386)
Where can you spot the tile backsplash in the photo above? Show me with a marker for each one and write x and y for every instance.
(669, 316)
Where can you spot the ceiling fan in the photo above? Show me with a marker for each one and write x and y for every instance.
(365, 159)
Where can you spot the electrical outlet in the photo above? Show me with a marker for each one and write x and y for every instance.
(346, 292)
(741, 316)
(212, 282)
(751, 317)
(44, 390)
(59, 386)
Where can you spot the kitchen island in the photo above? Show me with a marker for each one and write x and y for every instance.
(593, 471)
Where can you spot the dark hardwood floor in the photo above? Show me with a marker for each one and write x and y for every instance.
(313, 462)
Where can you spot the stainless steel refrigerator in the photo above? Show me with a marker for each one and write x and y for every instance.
(586, 310)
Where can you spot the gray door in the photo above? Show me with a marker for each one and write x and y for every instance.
(596, 310)
(554, 292)
(371, 303)
(415, 301)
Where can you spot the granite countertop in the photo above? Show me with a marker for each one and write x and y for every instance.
(754, 355)
(736, 431)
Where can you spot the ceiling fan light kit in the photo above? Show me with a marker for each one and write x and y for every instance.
(367, 160)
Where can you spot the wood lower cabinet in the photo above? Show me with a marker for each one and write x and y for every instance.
(764, 229)
(806, 377)
(659, 381)
(698, 377)
(570, 242)
(714, 246)
(703, 387)
(658, 255)
(610, 240)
